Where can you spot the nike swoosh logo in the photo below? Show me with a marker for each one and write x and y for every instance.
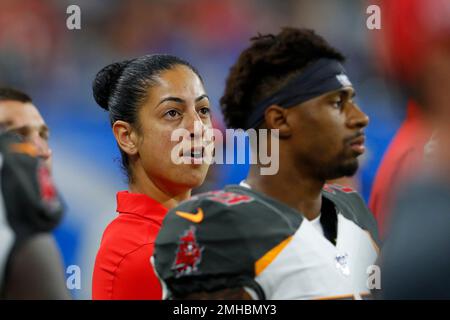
(194, 217)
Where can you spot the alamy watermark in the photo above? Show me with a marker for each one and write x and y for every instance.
(73, 281)
(210, 146)
(73, 21)
(373, 277)
(373, 21)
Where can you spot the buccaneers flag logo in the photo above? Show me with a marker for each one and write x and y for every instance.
(188, 255)
(48, 191)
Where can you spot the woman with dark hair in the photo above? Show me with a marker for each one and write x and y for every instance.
(147, 99)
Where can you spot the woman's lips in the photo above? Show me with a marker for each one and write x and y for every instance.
(193, 155)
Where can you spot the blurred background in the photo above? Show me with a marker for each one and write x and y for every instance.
(56, 66)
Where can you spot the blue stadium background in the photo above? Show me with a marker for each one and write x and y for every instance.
(56, 66)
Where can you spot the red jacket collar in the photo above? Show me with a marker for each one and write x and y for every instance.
(140, 204)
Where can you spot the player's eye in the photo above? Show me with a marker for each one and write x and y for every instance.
(172, 114)
(338, 104)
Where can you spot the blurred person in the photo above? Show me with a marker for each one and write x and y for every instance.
(402, 47)
(415, 257)
(30, 263)
(18, 114)
(287, 235)
(401, 161)
(30, 32)
(147, 98)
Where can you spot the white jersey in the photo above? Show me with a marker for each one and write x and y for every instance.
(309, 266)
(237, 237)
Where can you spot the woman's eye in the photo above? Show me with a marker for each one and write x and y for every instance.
(205, 111)
(172, 114)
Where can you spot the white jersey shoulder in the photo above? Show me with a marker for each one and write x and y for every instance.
(308, 266)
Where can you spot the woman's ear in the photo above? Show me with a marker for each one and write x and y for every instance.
(125, 136)
(276, 118)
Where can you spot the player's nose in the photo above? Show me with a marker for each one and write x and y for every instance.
(195, 125)
(357, 118)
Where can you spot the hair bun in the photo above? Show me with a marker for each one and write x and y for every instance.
(106, 81)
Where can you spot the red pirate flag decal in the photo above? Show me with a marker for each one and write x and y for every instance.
(189, 254)
(48, 191)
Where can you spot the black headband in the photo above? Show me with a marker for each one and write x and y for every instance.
(322, 76)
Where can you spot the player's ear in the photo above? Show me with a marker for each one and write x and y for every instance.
(126, 137)
(276, 118)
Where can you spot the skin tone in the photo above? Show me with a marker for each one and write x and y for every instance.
(25, 120)
(320, 140)
(178, 101)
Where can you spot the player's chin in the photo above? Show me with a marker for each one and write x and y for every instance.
(344, 168)
(350, 167)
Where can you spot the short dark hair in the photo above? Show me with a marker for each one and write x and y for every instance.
(14, 95)
(264, 67)
(122, 87)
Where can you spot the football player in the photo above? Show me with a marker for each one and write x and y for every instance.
(288, 235)
(30, 208)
